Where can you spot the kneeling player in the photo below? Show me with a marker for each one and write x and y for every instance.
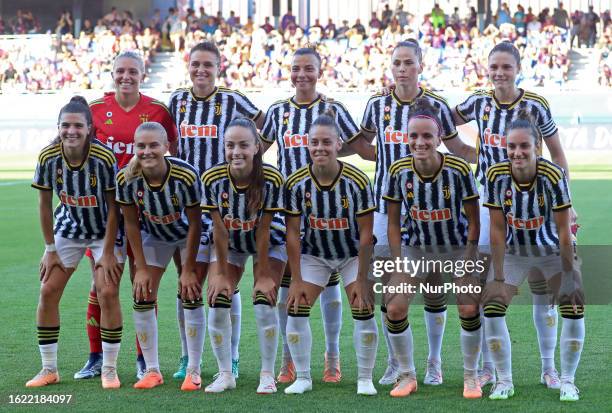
(434, 188)
(529, 203)
(242, 196)
(333, 202)
(160, 200)
(81, 171)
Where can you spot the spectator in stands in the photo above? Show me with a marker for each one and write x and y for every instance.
(519, 20)
(401, 15)
(210, 26)
(590, 21)
(174, 27)
(560, 17)
(341, 33)
(287, 19)
(438, 19)
(233, 20)
(503, 15)
(330, 29)
(472, 19)
(375, 23)
(64, 24)
(387, 15)
(267, 26)
(359, 28)
(455, 20)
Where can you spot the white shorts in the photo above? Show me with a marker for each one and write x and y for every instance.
(204, 249)
(381, 223)
(239, 259)
(484, 240)
(517, 268)
(71, 251)
(158, 253)
(317, 270)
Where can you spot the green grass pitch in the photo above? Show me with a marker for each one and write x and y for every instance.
(20, 250)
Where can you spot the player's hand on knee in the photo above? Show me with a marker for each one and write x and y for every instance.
(496, 291)
(190, 286)
(48, 261)
(217, 285)
(267, 287)
(297, 295)
(141, 287)
(111, 269)
(361, 296)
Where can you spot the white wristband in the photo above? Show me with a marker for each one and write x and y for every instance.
(50, 248)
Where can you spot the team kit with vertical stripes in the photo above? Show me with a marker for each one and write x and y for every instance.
(431, 206)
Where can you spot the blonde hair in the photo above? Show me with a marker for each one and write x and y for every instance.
(133, 168)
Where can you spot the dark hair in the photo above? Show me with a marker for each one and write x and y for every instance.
(304, 51)
(77, 104)
(411, 44)
(327, 118)
(507, 47)
(524, 120)
(207, 47)
(254, 193)
(422, 107)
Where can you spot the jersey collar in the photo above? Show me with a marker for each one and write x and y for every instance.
(525, 187)
(326, 187)
(430, 178)
(304, 105)
(159, 188)
(203, 99)
(509, 105)
(79, 166)
(407, 102)
(235, 187)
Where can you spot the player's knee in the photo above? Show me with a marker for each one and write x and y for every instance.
(571, 311)
(261, 299)
(107, 293)
(397, 311)
(469, 322)
(303, 310)
(495, 309)
(50, 293)
(468, 310)
(364, 314)
(142, 306)
(222, 301)
(435, 303)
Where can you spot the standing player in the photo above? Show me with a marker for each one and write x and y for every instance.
(288, 123)
(332, 202)
(115, 118)
(242, 195)
(529, 204)
(201, 115)
(81, 171)
(386, 118)
(493, 111)
(160, 199)
(435, 190)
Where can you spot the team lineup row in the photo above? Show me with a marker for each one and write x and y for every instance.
(331, 201)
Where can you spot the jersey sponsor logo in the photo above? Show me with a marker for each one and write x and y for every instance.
(528, 224)
(393, 136)
(237, 224)
(198, 131)
(446, 192)
(493, 139)
(93, 180)
(162, 219)
(328, 223)
(120, 147)
(88, 201)
(295, 140)
(433, 215)
(144, 117)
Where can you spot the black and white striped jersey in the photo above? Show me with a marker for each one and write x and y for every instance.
(287, 123)
(201, 123)
(82, 211)
(387, 117)
(162, 208)
(493, 118)
(222, 194)
(329, 213)
(530, 224)
(434, 204)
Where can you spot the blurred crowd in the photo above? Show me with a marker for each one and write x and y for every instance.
(354, 55)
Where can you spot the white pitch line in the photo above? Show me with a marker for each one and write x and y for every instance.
(11, 183)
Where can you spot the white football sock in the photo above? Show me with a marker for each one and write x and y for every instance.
(545, 318)
(572, 341)
(266, 318)
(365, 340)
(236, 317)
(180, 318)
(403, 348)
(435, 323)
(110, 352)
(390, 357)
(220, 332)
(281, 304)
(48, 355)
(331, 312)
(145, 324)
(498, 341)
(195, 331)
(487, 359)
(299, 336)
(470, 347)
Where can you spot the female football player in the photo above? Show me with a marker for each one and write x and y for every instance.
(81, 171)
(288, 123)
(115, 118)
(435, 189)
(386, 118)
(493, 110)
(333, 203)
(529, 202)
(242, 195)
(201, 115)
(160, 198)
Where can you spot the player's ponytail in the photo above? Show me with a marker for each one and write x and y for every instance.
(525, 120)
(327, 118)
(423, 109)
(134, 168)
(254, 192)
(77, 104)
(506, 46)
(411, 44)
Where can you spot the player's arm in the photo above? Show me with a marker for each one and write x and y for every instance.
(498, 242)
(218, 283)
(458, 147)
(50, 258)
(457, 118)
(265, 145)
(293, 246)
(190, 285)
(359, 145)
(108, 262)
(366, 242)
(264, 282)
(259, 121)
(553, 143)
(132, 230)
(562, 221)
(472, 214)
(394, 230)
